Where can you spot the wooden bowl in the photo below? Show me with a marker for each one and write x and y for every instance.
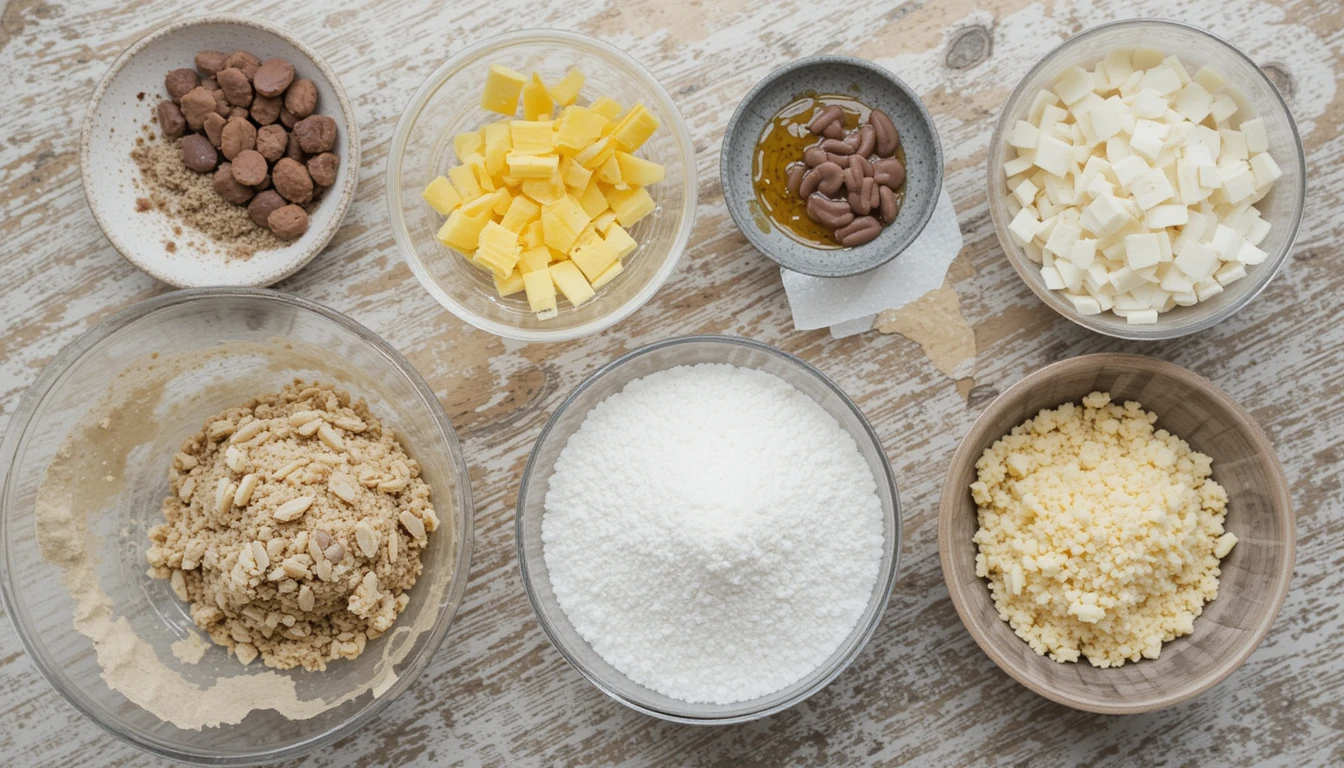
(1255, 575)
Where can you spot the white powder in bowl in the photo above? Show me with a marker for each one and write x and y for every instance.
(712, 533)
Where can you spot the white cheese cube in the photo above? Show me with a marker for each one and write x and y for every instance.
(1129, 302)
(1052, 279)
(1210, 79)
(1048, 210)
(1071, 275)
(1048, 223)
(1129, 169)
(1025, 192)
(1265, 170)
(1207, 289)
(1117, 149)
(1258, 231)
(1192, 231)
(1161, 79)
(1062, 238)
(1229, 274)
(1025, 160)
(1053, 155)
(1163, 216)
(1210, 177)
(1160, 300)
(1151, 189)
(1094, 167)
(1085, 305)
(1209, 139)
(1257, 139)
(1131, 84)
(1147, 138)
(1073, 84)
(1193, 102)
(1149, 104)
(1226, 242)
(1173, 62)
(1083, 252)
(1234, 145)
(1176, 281)
(1110, 215)
(1250, 255)
(1105, 119)
(1052, 116)
(1142, 317)
(1024, 226)
(1222, 108)
(1033, 252)
(1096, 278)
(1085, 105)
(1118, 67)
(1125, 280)
(1186, 299)
(1188, 189)
(1142, 251)
(1147, 58)
(1197, 260)
(1238, 182)
(1087, 136)
(1024, 135)
(1043, 99)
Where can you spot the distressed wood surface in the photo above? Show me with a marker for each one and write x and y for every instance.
(496, 692)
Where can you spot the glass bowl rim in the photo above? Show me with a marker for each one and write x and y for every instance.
(1052, 299)
(883, 585)
(15, 435)
(393, 184)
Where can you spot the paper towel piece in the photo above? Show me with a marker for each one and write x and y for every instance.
(851, 302)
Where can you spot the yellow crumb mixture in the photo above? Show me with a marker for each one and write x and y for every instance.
(1100, 536)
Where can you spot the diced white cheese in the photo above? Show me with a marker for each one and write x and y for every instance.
(1250, 255)
(1025, 192)
(1052, 116)
(1258, 231)
(1043, 99)
(1226, 242)
(1083, 252)
(1085, 105)
(1151, 188)
(1207, 289)
(1053, 155)
(1117, 149)
(1025, 160)
(1193, 102)
(1197, 260)
(1209, 139)
(1187, 299)
(1125, 280)
(1052, 279)
(1142, 251)
(1024, 135)
(1024, 226)
(1188, 188)
(1229, 273)
(1129, 169)
(1106, 119)
(1210, 79)
(1085, 305)
(1173, 62)
(1147, 58)
(1150, 105)
(1142, 317)
(1118, 67)
(1234, 145)
(1071, 275)
(1257, 139)
(1238, 182)
(1163, 216)
(1073, 84)
(1110, 215)
(1161, 79)
(1222, 108)
(1264, 168)
(1147, 138)
(1177, 281)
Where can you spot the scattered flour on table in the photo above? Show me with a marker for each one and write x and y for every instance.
(713, 533)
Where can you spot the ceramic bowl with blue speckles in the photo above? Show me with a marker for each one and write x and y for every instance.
(871, 85)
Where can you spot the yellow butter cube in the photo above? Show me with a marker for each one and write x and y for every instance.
(556, 256)
(635, 128)
(593, 200)
(465, 182)
(620, 241)
(502, 87)
(630, 205)
(467, 144)
(521, 211)
(638, 172)
(441, 196)
(606, 107)
(561, 223)
(483, 205)
(575, 175)
(595, 154)
(604, 220)
(579, 127)
(593, 257)
(610, 173)
(503, 201)
(532, 137)
(608, 275)
(534, 259)
(533, 235)
(507, 286)
(537, 102)
(524, 166)
(477, 165)
(462, 232)
(540, 293)
(566, 91)
(498, 248)
(498, 142)
(545, 191)
(588, 236)
(571, 282)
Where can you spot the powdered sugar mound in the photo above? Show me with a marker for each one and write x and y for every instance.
(712, 532)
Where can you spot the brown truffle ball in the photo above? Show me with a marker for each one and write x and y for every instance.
(323, 169)
(244, 61)
(196, 104)
(249, 167)
(210, 62)
(271, 142)
(198, 153)
(317, 134)
(273, 77)
(263, 204)
(171, 120)
(179, 83)
(292, 181)
(301, 98)
(229, 188)
(266, 109)
(289, 222)
(238, 135)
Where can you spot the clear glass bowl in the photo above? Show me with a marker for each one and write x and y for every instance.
(1282, 207)
(274, 339)
(613, 377)
(449, 103)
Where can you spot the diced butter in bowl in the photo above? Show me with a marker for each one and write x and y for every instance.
(1146, 179)
(542, 185)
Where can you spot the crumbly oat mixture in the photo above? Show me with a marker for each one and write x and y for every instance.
(191, 198)
(295, 527)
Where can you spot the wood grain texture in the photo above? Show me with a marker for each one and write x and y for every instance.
(921, 692)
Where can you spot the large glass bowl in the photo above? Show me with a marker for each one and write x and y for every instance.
(449, 103)
(567, 419)
(170, 363)
(1282, 207)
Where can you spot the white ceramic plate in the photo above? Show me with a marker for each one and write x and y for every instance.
(114, 120)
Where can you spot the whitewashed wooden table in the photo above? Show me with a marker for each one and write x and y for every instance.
(497, 693)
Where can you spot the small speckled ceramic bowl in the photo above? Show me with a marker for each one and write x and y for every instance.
(875, 87)
(125, 101)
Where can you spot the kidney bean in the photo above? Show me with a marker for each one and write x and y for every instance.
(837, 147)
(853, 177)
(887, 204)
(852, 139)
(840, 160)
(863, 229)
(889, 172)
(888, 139)
(864, 199)
(865, 167)
(867, 141)
(829, 213)
(795, 173)
(832, 178)
(835, 131)
(814, 156)
(828, 116)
